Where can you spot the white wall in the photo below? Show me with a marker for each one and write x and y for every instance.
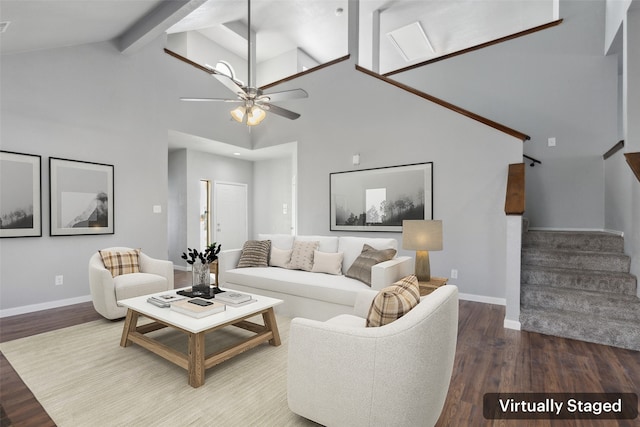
(554, 83)
(622, 195)
(94, 104)
(349, 112)
(273, 189)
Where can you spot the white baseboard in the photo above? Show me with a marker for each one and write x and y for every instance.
(181, 267)
(602, 230)
(482, 298)
(511, 324)
(43, 306)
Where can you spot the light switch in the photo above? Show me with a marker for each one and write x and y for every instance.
(157, 209)
(551, 142)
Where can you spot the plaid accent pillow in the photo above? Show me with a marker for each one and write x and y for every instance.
(255, 253)
(394, 301)
(370, 256)
(302, 255)
(121, 262)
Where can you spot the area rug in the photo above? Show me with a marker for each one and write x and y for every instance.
(82, 377)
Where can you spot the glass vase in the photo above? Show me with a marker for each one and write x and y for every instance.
(200, 277)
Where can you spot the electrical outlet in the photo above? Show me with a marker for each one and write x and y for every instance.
(551, 142)
(59, 280)
(454, 274)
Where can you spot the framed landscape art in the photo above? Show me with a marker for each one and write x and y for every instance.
(81, 197)
(379, 199)
(20, 195)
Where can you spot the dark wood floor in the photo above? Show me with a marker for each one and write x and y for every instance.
(489, 359)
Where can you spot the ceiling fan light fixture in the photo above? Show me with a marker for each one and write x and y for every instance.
(255, 116)
(238, 114)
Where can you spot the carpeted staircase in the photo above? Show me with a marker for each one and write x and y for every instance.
(577, 285)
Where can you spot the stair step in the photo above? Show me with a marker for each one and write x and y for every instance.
(584, 327)
(603, 304)
(580, 260)
(597, 241)
(614, 282)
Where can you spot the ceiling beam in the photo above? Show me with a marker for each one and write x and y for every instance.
(155, 23)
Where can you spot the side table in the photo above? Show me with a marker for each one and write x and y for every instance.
(427, 287)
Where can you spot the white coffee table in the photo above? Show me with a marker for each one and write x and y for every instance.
(196, 361)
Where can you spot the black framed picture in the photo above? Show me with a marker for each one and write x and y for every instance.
(81, 197)
(20, 195)
(379, 199)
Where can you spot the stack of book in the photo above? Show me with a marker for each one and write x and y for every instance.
(164, 300)
(234, 299)
(198, 307)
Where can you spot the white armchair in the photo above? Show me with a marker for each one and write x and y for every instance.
(342, 373)
(155, 276)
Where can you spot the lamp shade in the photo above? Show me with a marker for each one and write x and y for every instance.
(422, 235)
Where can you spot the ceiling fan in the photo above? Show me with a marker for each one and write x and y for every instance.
(254, 103)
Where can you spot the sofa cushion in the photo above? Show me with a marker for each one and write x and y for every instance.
(325, 243)
(352, 247)
(394, 301)
(136, 284)
(279, 257)
(255, 253)
(302, 255)
(361, 267)
(330, 263)
(121, 262)
(323, 287)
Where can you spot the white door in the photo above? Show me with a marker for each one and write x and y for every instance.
(230, 214)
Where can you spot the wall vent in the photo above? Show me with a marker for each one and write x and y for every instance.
(3, 26)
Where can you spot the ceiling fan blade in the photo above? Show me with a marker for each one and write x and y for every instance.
(231, 85)
(284, 95)
(212, 99)
(280, 111)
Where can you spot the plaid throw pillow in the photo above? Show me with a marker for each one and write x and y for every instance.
(394, 301)
(118, 263)
(255, 253)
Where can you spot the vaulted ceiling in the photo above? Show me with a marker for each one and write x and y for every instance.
(318, 27)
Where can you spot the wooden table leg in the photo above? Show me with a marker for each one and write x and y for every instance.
(196, 359)
(269, 318)
(130, 323)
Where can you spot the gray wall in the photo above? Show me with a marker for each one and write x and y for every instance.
(349, 112)
(554, 83)
(94, 104)
(272, 181)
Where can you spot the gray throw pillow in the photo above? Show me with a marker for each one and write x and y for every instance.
(255, 253)
(370, 256)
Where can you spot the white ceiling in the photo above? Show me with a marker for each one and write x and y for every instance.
(280, 25)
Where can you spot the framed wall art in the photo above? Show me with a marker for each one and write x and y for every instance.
(81, 197)
(20, 195)
(379, 199)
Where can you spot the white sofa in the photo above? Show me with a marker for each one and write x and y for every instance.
(342, 373)
(307, 294)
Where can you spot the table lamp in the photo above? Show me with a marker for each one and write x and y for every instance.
(422, 236)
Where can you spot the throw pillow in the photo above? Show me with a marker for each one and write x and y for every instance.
(361, 267)
(121, 262)
(280, 257)
(327, 262)
(302, 255)
(394, 301)
(255, 253)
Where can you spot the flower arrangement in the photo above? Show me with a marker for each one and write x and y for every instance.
(207, 256)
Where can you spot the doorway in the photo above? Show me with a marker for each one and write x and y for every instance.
(230, 214)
